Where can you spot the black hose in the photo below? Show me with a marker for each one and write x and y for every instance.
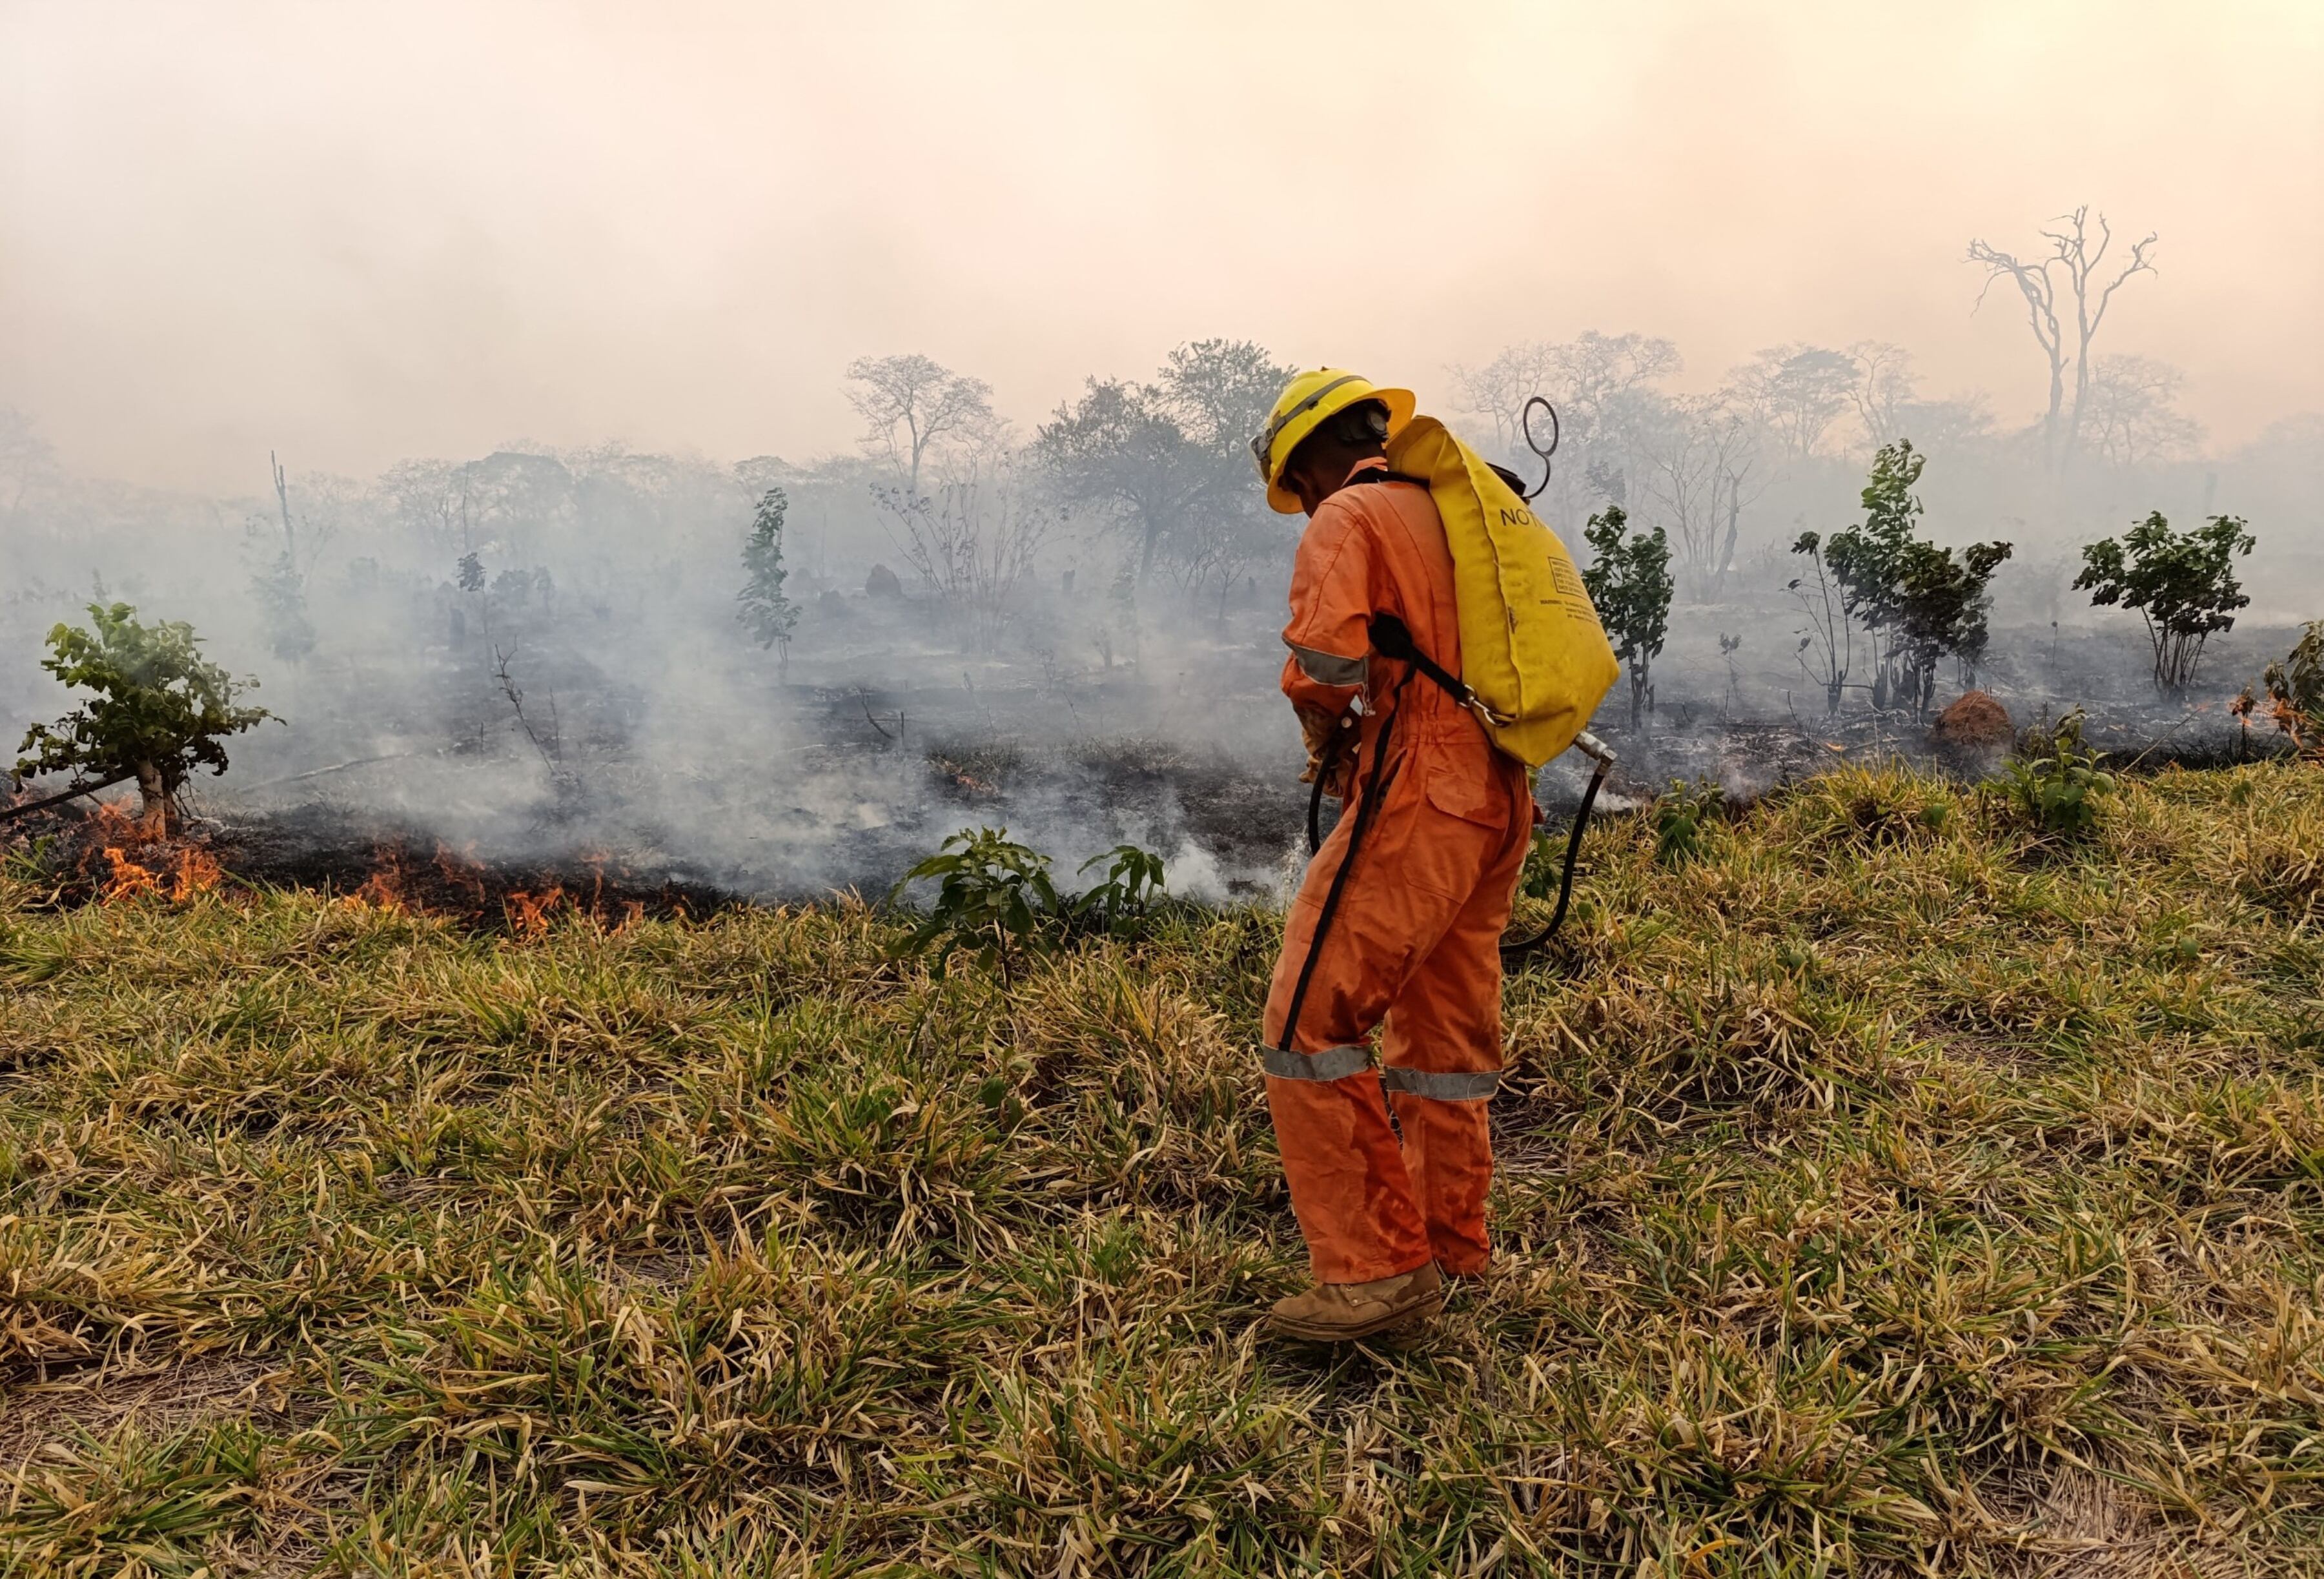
(1315, 799)
(1375, 792)
(1524, 946)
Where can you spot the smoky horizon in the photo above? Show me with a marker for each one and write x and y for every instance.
(352, 235)
(760, 441)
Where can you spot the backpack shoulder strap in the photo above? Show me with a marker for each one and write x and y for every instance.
(1392, 638)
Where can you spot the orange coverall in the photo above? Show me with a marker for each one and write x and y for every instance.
(1416, 939)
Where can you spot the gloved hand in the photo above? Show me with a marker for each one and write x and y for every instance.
(1331, 739)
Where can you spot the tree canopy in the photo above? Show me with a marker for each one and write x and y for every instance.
(160, 711)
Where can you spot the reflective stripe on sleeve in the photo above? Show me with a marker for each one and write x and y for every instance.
(1331, 1064)
(1329, 668)
(1455, 1085)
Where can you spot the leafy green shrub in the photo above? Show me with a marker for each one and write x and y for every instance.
(1679, 819)
(1919, 602)
(161, 711)
(1544, 863)
(2059, 791)
(767, 612)
(2183, 583)
(1629, 583)
(993, 897)
(1120, 901)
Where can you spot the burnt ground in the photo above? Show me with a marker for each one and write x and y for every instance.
(320, 846)
(1246, 820)
(571, 861)
(425, 781)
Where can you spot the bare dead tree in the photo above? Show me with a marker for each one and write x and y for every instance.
(551, 748)
(909, 403)
(282, 498)
(2134, 415)
(2071, 275)
(1500, 388)
(1698, 471)
(1883, 389)
(974, 545)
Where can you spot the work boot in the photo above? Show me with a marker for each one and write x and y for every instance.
(1340, 1312)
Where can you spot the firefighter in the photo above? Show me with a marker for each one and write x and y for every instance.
(1396, 927)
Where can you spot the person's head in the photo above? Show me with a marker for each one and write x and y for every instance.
(1326, 421)
(1343, 441)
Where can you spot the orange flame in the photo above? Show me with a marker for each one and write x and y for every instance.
(129, 879)
(141, 864)
(529, 914)
(384, 888)
(198, 872)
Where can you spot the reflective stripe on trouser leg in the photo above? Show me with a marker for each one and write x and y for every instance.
(1329, 1063)
(1441, 1085)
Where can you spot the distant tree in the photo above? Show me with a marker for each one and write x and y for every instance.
(2072, 279)
(1884, 390)
(1799, 392)
(424, 497)
(1629, 582)
(2182, 583)
(1170, 460)
(27, 463)
(514, 503)
(471, 571)
(1220, 392)
(974, 543)
(1499, 389)
(909, 403)
(765, 613)
(282, 596)
(160, 711)
(1596, 381)
(1729, 646)
(1947, 426)
(1918, 601)
(1869, 561)
(1595, 372)
(2133, 415)
(1121, 449)
(279, 580)
(1696, 463)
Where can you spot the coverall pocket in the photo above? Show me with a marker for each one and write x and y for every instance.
(1449, 851)
(1467, 796)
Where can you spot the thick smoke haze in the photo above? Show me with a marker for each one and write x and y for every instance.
(535, 303)
(357, 232)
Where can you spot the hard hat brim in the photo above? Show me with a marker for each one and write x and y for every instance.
(1400, 402)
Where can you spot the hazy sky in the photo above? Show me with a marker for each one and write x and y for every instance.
(355, 232)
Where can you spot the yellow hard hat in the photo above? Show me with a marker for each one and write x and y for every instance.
(1302, 407)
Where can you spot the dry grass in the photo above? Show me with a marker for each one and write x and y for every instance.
(1881, 1194)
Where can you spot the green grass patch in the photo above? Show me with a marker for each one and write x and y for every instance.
(1884, 1187)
